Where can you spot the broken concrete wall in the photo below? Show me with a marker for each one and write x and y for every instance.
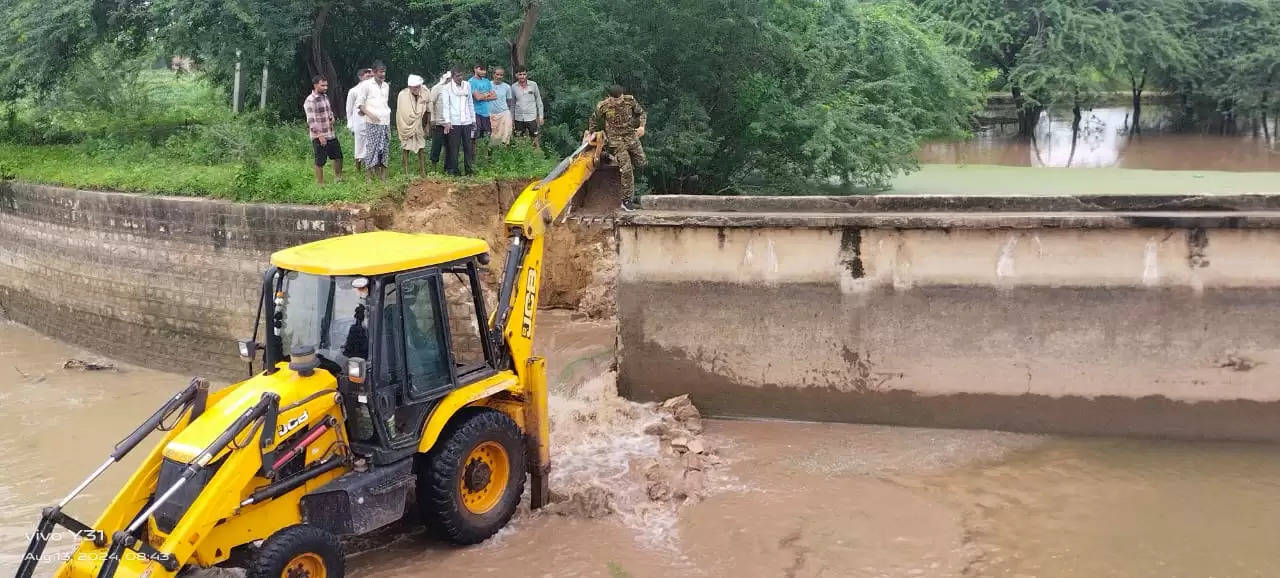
(1126, 322)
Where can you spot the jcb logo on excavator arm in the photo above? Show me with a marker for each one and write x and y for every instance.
(530, 298)
(290, 425)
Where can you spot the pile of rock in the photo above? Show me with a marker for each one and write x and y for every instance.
(679, 472)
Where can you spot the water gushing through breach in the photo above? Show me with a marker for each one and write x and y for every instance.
(637, 462)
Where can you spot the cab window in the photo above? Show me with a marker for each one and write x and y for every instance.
(465, 313)
(426, 354)
(391, 365)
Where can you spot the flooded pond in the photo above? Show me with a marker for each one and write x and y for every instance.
(791, 499)
(1105, 140)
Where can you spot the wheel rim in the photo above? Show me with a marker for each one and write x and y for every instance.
(484, 477)
(307, 565)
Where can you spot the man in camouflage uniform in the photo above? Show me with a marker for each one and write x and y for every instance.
(623, 120)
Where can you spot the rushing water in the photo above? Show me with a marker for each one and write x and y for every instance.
(792, 499)
(1105, 140)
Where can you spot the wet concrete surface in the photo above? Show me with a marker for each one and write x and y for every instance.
(792, 499)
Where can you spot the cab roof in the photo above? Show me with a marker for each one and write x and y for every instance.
(376, 253)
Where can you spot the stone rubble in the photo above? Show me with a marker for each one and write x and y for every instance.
(670, 477)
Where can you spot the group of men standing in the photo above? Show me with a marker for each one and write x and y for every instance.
(452, 114)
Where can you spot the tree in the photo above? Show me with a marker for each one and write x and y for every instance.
(1158, 46)
(1041, 48)
(42, 40)
(1075, 47)
(1237, 72)
(745, 93)
(524, 34)
(995, 33)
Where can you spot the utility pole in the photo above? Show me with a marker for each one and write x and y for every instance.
(262, 99)
(235, 87)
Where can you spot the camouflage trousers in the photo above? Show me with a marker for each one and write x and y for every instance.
(629, 155)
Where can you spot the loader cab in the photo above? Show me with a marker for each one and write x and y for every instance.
(400, 320)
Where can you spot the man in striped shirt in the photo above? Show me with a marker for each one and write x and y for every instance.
(324, 144)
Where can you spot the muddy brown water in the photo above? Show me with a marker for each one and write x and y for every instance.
(792, 499)
(1105, 140)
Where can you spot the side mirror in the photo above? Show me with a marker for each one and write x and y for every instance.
(247, 348)
(356, 369)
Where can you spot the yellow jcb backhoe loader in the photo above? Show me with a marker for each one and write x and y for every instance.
(383, 373)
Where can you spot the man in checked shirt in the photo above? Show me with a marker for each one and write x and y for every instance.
(320, 126)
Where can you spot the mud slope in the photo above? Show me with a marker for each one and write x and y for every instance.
(581, 259)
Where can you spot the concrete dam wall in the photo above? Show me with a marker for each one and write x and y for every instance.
(163, 282)
(1149, 316)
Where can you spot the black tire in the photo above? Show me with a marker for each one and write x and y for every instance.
(441, 477)
(298, 546)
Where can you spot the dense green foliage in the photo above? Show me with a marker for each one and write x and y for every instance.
(739, 92)
(1220, 57)
(788, 94)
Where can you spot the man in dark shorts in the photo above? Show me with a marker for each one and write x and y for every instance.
(526, 106)
(324, 144)
(481, 93)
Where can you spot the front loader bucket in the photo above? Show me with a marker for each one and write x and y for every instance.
(601, 195)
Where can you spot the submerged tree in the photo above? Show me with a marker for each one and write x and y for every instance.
(1075, 48)
(1159, 46)
(996, 34)
(1240, 53)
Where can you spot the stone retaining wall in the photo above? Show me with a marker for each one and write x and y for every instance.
(165, 282)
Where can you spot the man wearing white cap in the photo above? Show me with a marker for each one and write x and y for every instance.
(412, 107)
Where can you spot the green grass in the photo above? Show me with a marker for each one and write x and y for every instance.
(177, 138)
(284, 178)
(1002, 180)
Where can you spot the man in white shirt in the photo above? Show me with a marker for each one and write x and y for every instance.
(372, 104)
(438, 137)
(460, 120)
(355, 122)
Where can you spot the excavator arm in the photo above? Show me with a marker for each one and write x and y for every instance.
(532, 212)
(513, 324)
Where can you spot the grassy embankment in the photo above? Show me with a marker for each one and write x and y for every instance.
(178, 137)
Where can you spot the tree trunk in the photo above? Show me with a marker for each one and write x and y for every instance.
(1028, 116)
(520, 46)
(321, 63)
(1137, 111)
(1266, 132)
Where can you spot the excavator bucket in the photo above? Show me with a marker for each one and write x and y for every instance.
(599, 198)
